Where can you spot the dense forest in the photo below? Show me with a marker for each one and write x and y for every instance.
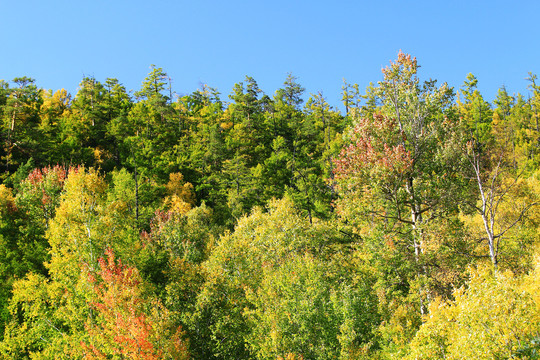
(149, 225)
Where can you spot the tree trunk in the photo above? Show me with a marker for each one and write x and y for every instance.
(136, 198)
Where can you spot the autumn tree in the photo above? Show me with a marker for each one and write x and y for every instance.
(490, 318)
(26, 213)
(9, 255)
(401, 171)
(497, 170)
(127, 323)
(48, 313)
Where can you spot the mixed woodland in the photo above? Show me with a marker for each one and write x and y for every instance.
(152, 225)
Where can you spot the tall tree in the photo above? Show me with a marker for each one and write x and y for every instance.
(492, 157)
(117, 106)
(21, 124)
(402, 168)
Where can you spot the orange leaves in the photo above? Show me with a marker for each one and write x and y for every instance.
(118, 274)
(56, 175)
(122, 322)
(127, 323)
(46, 180)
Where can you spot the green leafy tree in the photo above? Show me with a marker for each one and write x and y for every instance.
(201, 148)
(20, 124)
(475, 111)
(242, 267)
(84, 131)
(314, 164)
(56, 106)
(117, 104)
(351, 97)
(311, 307)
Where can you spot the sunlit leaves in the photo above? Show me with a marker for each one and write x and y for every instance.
(275, 264)
(306, 306)
(495, 317)
(181, 195)
(126, 322)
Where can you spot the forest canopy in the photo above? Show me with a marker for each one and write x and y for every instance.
(150, 225)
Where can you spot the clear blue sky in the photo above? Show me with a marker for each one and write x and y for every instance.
(220, 42)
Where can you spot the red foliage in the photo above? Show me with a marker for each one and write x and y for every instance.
(377, 145)
(125, 325)
(46, 183)
(37, 176)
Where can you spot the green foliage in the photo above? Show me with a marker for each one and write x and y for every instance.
(25, 219)
(241, 274)
(377, 223)
(475, 111)
(19, 126)
(310, 307)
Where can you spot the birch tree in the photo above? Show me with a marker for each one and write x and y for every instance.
(401, 169)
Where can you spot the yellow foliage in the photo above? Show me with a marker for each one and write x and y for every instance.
(7, 201)
(494, 318)
(77, 229)
(226, 122)
(181, 197)
(516, 216)
(101, 155)
(226, 125)
(291, 356)
(54, 105)
(178, 205)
